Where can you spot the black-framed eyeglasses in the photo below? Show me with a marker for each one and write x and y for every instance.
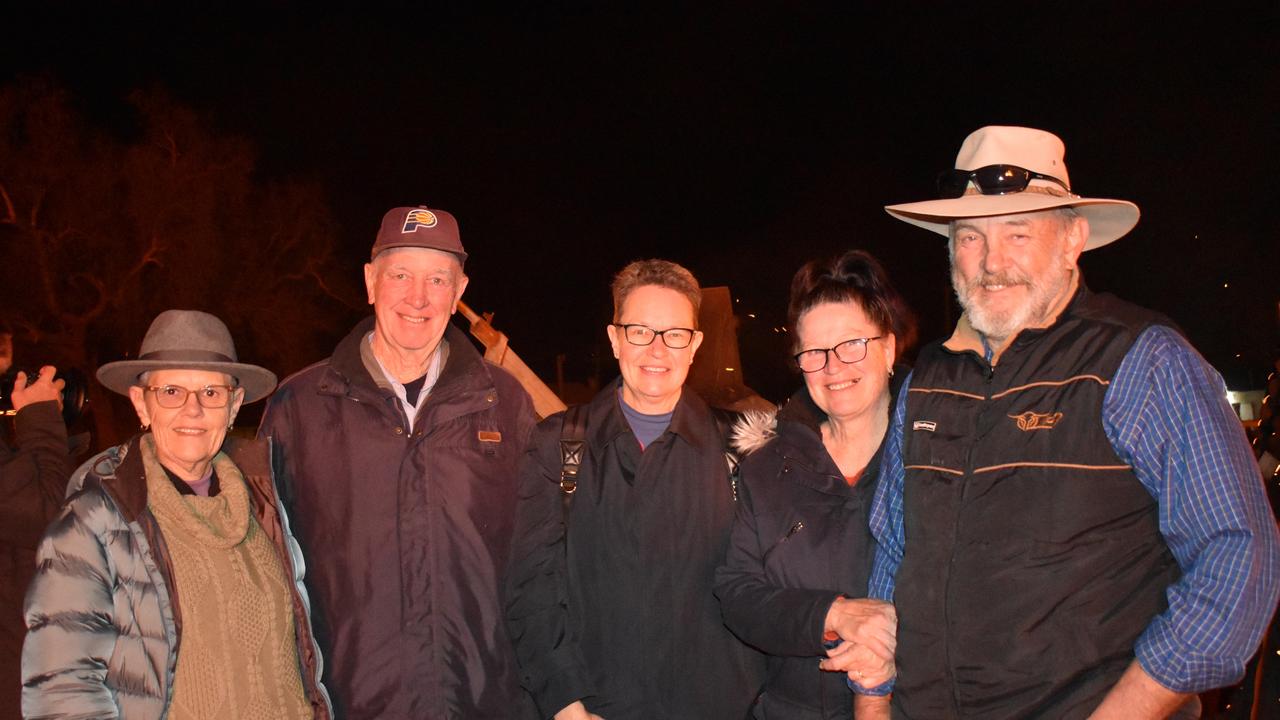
(847, 352)
(991, 180)
(674, 338)
(175, 396)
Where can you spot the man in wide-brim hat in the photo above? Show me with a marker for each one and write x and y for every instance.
(1071, 523)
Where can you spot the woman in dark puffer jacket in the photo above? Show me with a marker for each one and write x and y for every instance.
(800, 553)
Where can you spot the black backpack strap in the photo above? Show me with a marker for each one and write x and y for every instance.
(725, 420)
(573, 440)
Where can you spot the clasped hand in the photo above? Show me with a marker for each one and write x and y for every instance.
(867, 630)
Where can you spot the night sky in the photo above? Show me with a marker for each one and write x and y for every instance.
(739, 139)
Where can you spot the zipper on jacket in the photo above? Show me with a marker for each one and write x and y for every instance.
(795, 528)
(988, 375)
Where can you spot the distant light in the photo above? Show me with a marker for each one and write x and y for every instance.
(1226, 285)
(751, 315)
(728, 369)
(737, 299)
(1237, 355)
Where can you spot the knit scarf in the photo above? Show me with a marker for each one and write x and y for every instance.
(237, 656)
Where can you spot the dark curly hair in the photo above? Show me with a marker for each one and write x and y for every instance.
(855, 276)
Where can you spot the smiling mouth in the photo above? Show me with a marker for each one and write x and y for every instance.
(843, 385)
(414, 320)
(189, 431)
(654, 370)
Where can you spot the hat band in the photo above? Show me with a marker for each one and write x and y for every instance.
(1043, 190)
(186, 356)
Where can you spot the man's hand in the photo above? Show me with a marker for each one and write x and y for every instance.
(1138, 697)
(864, 621)
(44, 388)
(576, 711)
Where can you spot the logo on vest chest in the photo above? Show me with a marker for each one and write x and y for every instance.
(1029, 421)
(924, 425)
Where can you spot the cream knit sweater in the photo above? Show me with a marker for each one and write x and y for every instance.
(237, 657)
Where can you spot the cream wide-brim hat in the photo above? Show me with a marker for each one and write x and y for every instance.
(1035, 150)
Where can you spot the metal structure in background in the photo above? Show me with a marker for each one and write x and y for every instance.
(498, 352)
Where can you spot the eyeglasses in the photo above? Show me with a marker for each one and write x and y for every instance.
(847, 352)
(991, 180)
(175, 396)
(674, 338)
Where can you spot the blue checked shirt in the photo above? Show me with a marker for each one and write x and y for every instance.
(1166, 415)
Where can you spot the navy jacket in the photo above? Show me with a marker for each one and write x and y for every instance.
(406, 534)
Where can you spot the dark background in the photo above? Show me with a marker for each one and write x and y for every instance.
(739, 139)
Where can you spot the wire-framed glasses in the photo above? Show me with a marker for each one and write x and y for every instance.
(847, 352)
(175, 396)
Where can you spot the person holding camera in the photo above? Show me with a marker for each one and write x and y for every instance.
(33, 478)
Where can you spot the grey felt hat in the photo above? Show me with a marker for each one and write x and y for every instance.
(188, 340)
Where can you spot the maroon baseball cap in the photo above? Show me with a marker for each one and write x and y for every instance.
(419, 227)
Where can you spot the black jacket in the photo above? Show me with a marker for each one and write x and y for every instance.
(33, 480)
(621, 614)
(406, 534)
(800, 540)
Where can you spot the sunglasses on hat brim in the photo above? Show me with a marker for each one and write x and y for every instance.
(990, 180)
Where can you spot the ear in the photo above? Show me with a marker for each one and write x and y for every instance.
(138, 397)
(614, 340)
(370, 280)
(693, 346)
(462, 287)
(1077, 236)
(237, 399)
(890, 343)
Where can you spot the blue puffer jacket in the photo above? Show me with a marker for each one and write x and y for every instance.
(102, 612)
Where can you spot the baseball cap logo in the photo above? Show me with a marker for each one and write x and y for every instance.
(418, 218)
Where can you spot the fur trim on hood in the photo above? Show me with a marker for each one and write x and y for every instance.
(754, 430)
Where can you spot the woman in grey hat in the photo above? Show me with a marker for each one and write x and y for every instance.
(170, 586)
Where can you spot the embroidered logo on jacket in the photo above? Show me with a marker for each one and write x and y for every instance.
(418, 218)
(1028, 420)
(924, 425)
(492, 436)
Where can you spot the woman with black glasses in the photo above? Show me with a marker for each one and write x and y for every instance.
(169, 586)
(800, 553)
(609, 596)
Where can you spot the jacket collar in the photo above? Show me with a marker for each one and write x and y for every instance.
(691, 420)
(123, 474)
(800, 440)
(464, 371)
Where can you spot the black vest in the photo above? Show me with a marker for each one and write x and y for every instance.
(1033, 556)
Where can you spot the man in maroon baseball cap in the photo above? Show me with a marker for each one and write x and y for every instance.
(399, 456)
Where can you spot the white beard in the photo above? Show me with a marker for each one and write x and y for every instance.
(999, 325)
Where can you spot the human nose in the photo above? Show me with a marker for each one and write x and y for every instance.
(417, 295)
(191, 404)
(834, 364)
(994, 258)
(658, 347)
